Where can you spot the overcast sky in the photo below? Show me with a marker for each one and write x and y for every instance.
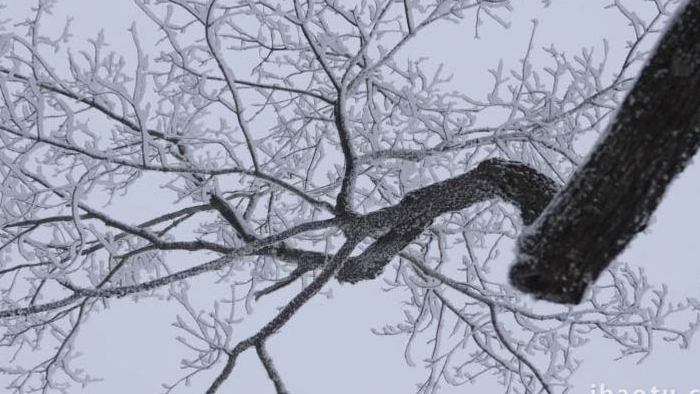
(328, 346)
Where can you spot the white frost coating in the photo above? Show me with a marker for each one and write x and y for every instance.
(235, 99)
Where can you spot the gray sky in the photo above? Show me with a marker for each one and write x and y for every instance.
(328, 346)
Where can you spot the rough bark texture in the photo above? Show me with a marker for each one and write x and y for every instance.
(399, 225)
(611, 197)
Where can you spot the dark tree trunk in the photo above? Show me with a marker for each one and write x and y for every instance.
(611, 197)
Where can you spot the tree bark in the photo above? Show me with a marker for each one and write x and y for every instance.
(612, 195)
(399, 225)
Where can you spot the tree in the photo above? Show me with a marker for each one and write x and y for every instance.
(336, 156)
(612, 196)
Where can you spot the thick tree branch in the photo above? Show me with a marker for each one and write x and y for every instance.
(611, 197)
(401, 224)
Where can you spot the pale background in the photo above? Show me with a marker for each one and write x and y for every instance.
(328, 346)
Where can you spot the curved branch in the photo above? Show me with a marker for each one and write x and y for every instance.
(513, 182)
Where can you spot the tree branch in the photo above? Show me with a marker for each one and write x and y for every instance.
(287, 312)
(513, 182)
(266, 361)
(612, 196)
